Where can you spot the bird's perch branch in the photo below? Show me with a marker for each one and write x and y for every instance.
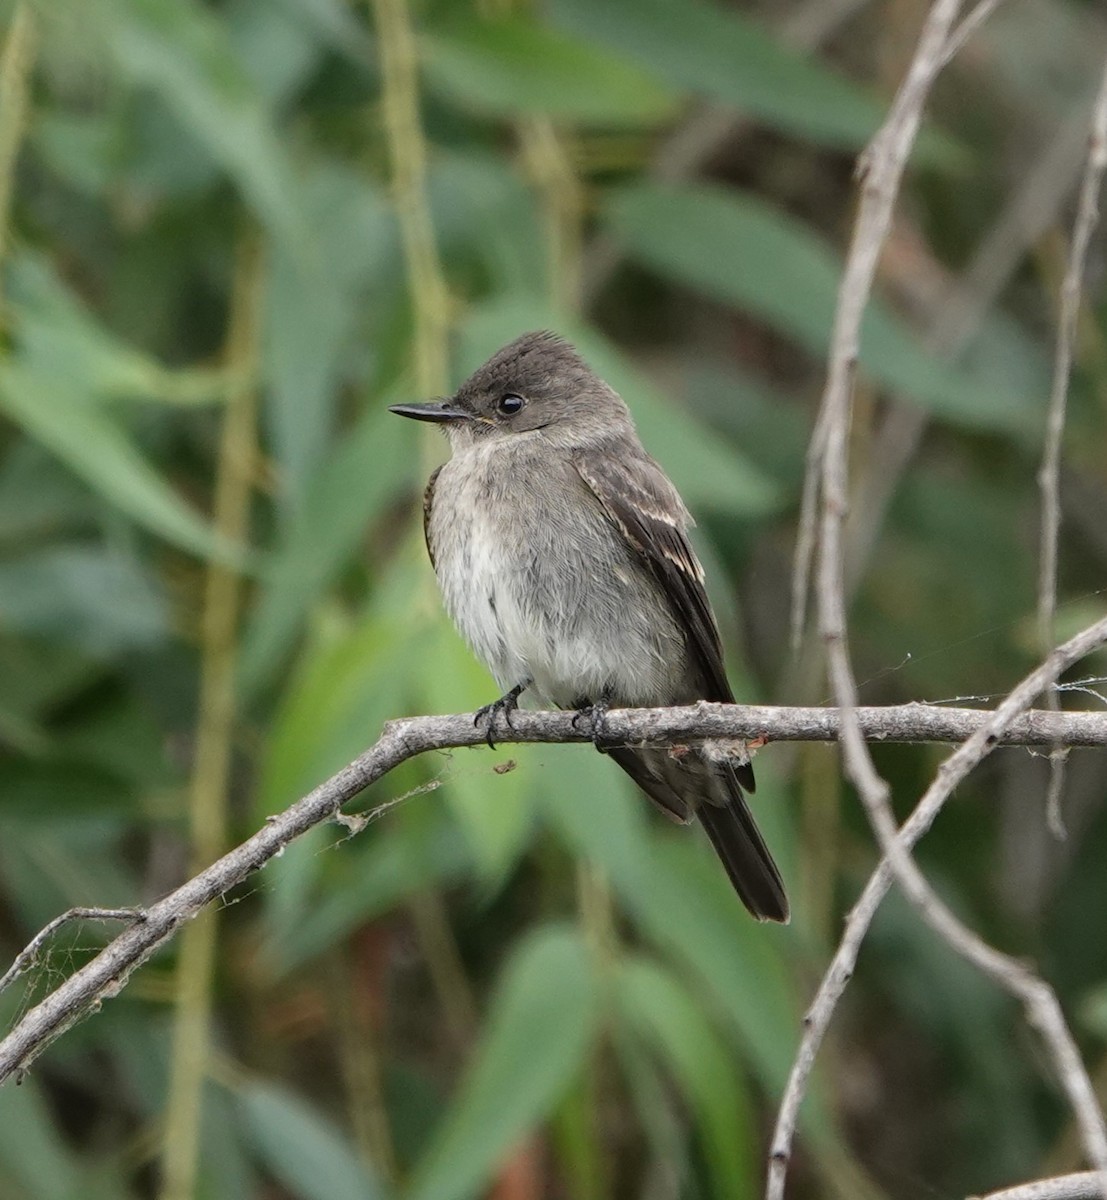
(106, 974)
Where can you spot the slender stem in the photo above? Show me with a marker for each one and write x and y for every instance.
(407, 150)
(445, 964)
(16, 62)
(1082, 1186)
(1049, 475)
(208, 795)
(353, 1003)
(548, 161)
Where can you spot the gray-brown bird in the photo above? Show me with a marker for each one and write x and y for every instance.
(562, 553)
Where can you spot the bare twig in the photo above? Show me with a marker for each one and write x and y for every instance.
(955, 323)
(882, 171)
(957, 319)
(1049, 476)
(1071, 289)
(967, 27)
(105, 975)
(28, 956)
(881, 167)
(1084, 1185)
(951, 773)
(807, 527)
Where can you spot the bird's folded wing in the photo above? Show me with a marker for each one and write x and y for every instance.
(428, 501)
(644, 506)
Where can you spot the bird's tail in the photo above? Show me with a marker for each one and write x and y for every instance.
(692, 785)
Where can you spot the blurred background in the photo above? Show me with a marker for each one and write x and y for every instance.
(232, 234)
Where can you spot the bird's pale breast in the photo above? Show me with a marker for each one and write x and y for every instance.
(544, 591)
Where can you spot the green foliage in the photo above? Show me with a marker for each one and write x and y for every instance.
(510, 66)
(520, 977)
(732, 59)
(537, 1032)
(302, 1151)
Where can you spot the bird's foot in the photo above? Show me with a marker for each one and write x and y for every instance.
(506, 705)
(594, 713)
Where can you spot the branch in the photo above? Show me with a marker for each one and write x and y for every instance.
(106, 974)
(28, 956)
(1084, 1185)
(1049, 475)
(998, 726)
(882, 168)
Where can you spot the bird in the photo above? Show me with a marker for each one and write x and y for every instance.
(562, 554)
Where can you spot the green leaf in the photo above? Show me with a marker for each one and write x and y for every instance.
(180, 51)
(57, 336)
(301, 1150)
(596, 811)
(279, 47)
(37, 678)
(667, 1015)
(94, 446)
(656, 1111)
(486, 220)
(350, 681)
(539, 1028)
(52, 865)
(706, 473)
(226, 1169)
(493, 809)
(333, 23)
(721, 54)
(314, 308)
(35, 1161)
(99, 600)
(393, 863)
(367, 466)
(690, 910)
(62, 792)
(510, 65)
(734, 247)
(39, 497)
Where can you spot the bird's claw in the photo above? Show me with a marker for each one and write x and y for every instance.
(594, 713)
(506, 705)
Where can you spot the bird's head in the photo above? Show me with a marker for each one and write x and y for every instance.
(535, 385)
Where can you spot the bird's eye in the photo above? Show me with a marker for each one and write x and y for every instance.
(510, 404)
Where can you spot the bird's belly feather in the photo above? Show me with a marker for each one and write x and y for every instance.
(537, 608)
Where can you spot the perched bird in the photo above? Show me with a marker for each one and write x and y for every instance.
(562, 554)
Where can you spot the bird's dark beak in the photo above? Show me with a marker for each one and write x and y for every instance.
(438, 411)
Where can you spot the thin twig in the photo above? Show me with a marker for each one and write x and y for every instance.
(994, 731)
(882, 171)
(208, 790)
(407, 148)
(1049, 475)
(1084, 1185)
(106, 975)
(806, 531)
(16, 63)
(28, 956)
(966, 28)
(957, 319)
(951, 330)
(548, 161)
